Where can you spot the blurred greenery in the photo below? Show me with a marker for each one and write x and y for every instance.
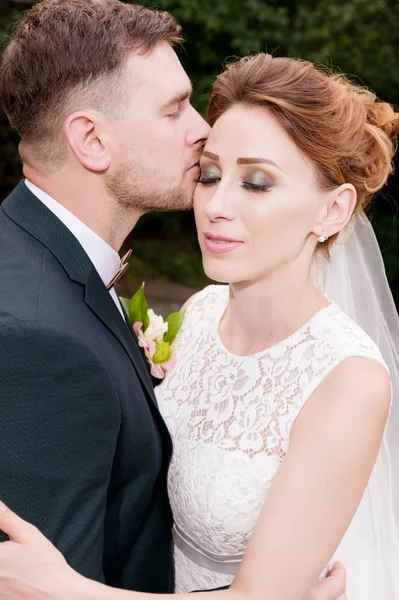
(357, 37)
(165, 247)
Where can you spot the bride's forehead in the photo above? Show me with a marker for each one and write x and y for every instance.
(243, 132)
(249, 126)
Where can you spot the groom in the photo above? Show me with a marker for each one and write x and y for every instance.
(101, 103)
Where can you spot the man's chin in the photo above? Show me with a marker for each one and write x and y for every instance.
(181, 198)
(173, 201)
(177, 206)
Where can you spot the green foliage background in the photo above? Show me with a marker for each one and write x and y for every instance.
(357, 37)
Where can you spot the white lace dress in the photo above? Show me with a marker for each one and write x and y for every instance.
(230, 418)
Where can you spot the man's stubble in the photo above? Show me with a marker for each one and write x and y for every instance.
(131, 187)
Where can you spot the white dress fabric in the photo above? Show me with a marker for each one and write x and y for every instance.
(230, 419)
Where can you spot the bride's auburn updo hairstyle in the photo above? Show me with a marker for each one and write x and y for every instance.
(341, 127)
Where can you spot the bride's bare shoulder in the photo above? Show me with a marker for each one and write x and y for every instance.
(357, 387)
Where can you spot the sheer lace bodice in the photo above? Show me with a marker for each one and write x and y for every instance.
(230, 418)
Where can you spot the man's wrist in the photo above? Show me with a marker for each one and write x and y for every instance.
(83, 588)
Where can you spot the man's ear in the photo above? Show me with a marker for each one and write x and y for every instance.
(337, 211)
(85, 133)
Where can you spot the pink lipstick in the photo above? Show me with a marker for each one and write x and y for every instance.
(219, 244)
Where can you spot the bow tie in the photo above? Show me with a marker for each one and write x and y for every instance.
(123, 267)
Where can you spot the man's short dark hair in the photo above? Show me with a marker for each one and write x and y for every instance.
(66, 51)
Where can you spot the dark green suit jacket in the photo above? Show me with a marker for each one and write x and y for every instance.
(83, 449)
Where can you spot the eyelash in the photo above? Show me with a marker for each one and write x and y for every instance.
(175, 115)
(208, 180)
(255, 187)
(251, 187)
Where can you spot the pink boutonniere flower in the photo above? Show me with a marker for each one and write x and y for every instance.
(155, 335)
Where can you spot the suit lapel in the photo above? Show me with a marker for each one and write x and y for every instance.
(31, 214)
(99, 300)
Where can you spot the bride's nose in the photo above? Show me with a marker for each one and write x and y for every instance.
(220, 205)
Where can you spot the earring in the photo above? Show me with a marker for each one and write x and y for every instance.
(322, 238)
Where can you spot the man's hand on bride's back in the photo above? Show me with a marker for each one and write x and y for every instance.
(332, 587)
(30, 559)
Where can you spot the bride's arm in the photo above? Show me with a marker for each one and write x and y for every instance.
(333, 447)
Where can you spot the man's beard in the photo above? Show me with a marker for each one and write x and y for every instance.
(129, 186)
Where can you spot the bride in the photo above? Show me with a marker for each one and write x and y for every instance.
(278, 402)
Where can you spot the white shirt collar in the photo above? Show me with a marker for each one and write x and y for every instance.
(104, 258)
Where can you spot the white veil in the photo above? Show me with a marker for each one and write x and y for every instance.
(355, 279)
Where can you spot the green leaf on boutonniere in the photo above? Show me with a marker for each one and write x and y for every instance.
(174, 321)
(138, 308)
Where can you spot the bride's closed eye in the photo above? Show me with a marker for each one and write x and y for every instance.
(255, 181)
(210, 174)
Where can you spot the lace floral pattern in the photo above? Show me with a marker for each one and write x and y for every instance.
(230, 418)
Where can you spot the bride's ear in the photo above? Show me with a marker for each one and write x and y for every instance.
(337, 211)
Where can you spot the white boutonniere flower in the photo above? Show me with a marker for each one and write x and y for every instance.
(155, 335)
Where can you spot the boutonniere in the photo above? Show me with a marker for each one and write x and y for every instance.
(155, 335)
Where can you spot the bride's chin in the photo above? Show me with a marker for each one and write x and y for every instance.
(219, 273)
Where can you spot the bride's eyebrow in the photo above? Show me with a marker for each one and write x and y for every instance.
(258, 161)
(244, 161)
(210, 155)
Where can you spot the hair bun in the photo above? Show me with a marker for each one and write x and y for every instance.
(383, 116)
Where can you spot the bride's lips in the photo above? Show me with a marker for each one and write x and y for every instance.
(219, 244)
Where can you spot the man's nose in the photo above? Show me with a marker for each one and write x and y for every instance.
(199, 130)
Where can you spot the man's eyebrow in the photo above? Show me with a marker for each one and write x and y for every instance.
(181, 97)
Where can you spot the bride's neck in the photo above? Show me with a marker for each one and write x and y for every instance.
(263, 313)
